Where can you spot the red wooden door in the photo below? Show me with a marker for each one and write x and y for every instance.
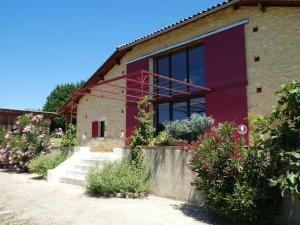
(95, 129)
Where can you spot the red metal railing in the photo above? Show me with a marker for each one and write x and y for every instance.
(132, 87)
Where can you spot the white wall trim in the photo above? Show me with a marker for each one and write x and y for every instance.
(199, 37)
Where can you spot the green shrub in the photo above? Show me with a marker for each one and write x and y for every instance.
(284, 140)
(43, 163)
(189, 128)
(69, 138)
(248, 183)
(118, 177)
(2, 138)
(198, 124)
(163, 138)
(232, 177)
(179, 129)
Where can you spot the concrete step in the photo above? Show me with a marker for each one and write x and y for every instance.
(72, 180)
(91, 162)
(85, 168)
(78, 174)
(75, 169)
(100, 156)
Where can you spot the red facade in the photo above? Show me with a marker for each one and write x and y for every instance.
(131, 107)
(225, 74)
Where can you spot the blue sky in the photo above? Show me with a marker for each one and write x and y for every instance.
(45, 43)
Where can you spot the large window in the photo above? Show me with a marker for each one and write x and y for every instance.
(196, 65)
(178, 65)
(185, 65)
(163, 110)
(162, 67)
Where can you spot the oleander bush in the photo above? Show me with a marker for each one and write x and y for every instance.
(118, 177)
(45, 162)
(232, 177)
(247, 183)
(190, 128)
(26, 142)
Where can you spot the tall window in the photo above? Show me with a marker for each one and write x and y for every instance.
(196, 65)
(163, 110)
(186, 65)
(162, 67)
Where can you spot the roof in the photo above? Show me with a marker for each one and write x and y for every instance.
(124, 48)
(98, 75)
(23, 111)
(207, 12)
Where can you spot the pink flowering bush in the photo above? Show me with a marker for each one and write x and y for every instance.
(233, 177)
(26, 142)
(58, 133)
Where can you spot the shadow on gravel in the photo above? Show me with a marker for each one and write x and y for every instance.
(202, 214)
(38, 177)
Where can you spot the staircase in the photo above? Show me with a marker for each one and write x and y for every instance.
(75, 169)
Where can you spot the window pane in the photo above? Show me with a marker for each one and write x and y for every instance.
(163, 116)
(179, 110)
(163, 69)
(196, 65)
(197, 105)
(178, 66)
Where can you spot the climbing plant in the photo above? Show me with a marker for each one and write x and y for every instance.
(143, 133)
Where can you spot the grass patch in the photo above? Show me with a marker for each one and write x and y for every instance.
(56, 142)
(43, 163)
(118, 177)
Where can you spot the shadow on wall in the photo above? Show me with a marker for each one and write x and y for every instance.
(291, 211)
(171, 176)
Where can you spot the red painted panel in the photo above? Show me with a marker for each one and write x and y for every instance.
(131, 108)
(227, 104)
(226, 74)
(225, 59)
(95, 129)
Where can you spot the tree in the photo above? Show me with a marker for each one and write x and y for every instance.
(56, 99)
(60, 95)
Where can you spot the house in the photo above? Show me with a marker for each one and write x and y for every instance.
(225, 61)
(8, 117)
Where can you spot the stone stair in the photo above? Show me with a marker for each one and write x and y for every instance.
(75, 169)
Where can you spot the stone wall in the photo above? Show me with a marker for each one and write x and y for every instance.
(91, 109)
(276, 43)
(171, 176)
(104, 144)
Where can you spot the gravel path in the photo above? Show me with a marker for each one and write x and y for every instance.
(25, 200)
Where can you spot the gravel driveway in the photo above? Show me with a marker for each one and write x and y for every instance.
(26, 200)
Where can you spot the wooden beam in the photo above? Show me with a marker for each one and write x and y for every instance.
(117, 61)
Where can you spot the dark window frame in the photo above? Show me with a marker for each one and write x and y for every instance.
(184, 99)
(101, 128)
